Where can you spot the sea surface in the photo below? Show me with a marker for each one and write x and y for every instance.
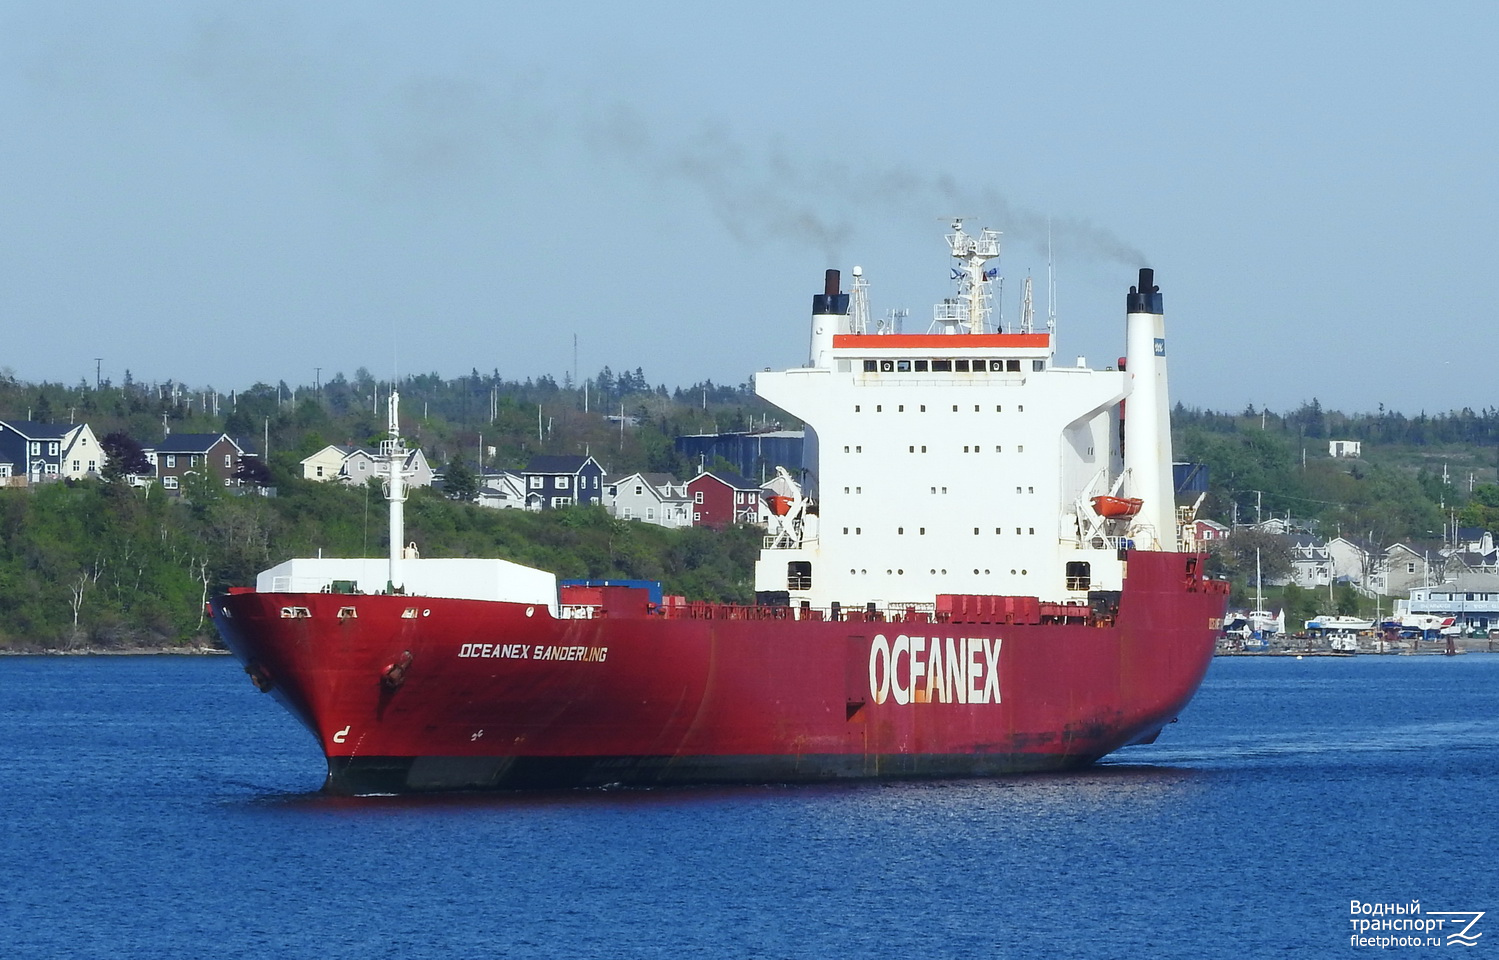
(160, 807)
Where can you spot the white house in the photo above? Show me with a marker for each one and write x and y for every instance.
(355, 465)
(505, 490)
(657, 498)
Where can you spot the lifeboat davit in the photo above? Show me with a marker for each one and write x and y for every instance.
(1117, 506)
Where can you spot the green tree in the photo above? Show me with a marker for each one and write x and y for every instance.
(459, 482)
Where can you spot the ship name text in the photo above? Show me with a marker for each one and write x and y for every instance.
(522, 651)
(935, 669)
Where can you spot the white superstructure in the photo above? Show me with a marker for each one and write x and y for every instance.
(966, 461)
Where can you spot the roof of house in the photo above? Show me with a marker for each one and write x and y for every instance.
(190, 442)
(548, 463)
(32, 430)
(729, 479)
(1472, 582)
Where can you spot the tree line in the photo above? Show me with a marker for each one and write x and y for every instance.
(106, 564)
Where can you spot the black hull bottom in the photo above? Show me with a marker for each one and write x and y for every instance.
(355, 776)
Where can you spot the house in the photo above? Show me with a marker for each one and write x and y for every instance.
(1206, 531)
(1343, 448)
(356, 465)
(1472, 599)
(1405, 566)
(1311, 564)
(326, 464)
(1474, 540)
(1354, 561)
(657, 498)
(50, 451)
(179, 454)
(555, 481)
(505, 490)
(722, 497)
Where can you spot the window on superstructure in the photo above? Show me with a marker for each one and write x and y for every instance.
(901, 408)
(1038, 365)
(961, 366)
(799, 575)
(1012, 366)
(870, 366)
(942, 366)
(879, 408)
(921, 366)
(1079, 575)
(902, 366)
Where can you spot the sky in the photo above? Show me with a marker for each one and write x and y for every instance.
(226, 193)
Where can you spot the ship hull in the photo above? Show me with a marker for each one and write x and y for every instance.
(411, 694)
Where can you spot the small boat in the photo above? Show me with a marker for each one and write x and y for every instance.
(1107, 506)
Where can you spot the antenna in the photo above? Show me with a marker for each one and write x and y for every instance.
(1051, 291)
(858, 314)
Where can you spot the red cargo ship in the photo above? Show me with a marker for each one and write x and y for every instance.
(1014, 651)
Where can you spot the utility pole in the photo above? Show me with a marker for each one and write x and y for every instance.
(98, 376)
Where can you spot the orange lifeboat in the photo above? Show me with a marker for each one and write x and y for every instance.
(1117, 506)
(780, 506)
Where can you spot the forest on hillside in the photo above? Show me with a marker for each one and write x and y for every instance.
(105, 564)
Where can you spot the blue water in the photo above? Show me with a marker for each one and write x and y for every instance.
(160, 807)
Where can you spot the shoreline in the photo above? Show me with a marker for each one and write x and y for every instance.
(197, 651)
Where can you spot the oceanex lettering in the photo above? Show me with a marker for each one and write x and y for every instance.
(915, 670)
(521, 651)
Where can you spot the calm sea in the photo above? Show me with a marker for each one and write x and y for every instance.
(160, 807)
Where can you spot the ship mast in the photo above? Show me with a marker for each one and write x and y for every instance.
(968, 312)
(393, 452)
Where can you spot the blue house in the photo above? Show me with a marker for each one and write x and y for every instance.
(553, 482)
(50, 451)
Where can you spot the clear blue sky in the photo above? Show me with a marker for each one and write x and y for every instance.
(222, 193)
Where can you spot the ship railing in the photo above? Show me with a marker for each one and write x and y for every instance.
(783, 542)
(1102, 542)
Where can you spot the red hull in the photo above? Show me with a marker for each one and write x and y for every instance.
(503, 695)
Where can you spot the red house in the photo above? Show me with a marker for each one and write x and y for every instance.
(722, 497)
